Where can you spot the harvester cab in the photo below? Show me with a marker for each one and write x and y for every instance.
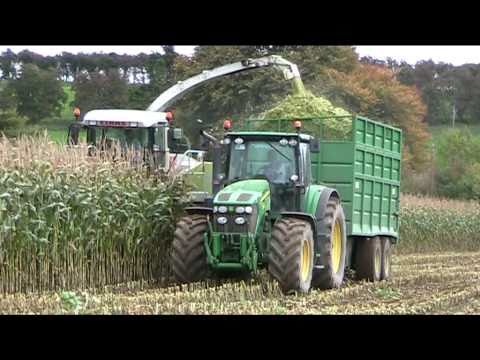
(149, 135)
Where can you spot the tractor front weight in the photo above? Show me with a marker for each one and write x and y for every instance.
(230, 251)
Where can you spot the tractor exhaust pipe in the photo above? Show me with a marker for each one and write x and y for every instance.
(216, 160)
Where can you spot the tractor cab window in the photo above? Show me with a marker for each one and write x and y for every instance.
(305, 164)
(274, 159)
(127, 137)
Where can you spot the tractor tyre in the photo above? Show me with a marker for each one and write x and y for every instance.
(290, 259)
(386, 244)
(368, 259)
(333, 248)
(188, 258)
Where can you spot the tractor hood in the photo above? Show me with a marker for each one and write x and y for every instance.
(245, 192)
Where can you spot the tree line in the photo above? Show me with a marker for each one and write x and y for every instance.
(32, 88)
(450, 92)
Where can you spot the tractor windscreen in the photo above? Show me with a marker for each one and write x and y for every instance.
(274, 159)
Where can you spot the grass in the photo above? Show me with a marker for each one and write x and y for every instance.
(435, 283)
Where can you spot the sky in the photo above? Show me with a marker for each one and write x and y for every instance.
(456, 55)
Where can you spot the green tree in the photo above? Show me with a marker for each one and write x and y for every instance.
(8, 60)
(39, 94)
(250, 93)
(100, 90)
(10, 121)
(458, 162)
(8, 98)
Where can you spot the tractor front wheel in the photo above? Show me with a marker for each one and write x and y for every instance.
(189, 259)
(291, 255)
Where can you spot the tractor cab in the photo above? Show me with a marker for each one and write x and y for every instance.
(282, 159)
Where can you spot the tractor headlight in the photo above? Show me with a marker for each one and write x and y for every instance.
(222, 220)
(239, 220)
(293, 142)
(222, 209)
(240, 210)
(248, 209)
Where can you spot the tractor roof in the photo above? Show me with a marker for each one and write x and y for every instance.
(140, 118)
(303, 137)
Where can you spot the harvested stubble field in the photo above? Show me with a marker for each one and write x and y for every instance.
(71, 227)
(439, 283)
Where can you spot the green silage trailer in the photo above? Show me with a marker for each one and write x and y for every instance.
(365, 170)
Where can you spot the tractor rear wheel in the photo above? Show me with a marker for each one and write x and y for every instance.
(386, 258)
(291, 255)
(189, 259)
(332, 248)
(368, 259)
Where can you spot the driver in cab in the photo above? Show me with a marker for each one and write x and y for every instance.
(278, 170)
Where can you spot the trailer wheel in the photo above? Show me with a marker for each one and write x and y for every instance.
(386, 258)
(291, 255)
(188, 258)
(368, 259)
(333, 248)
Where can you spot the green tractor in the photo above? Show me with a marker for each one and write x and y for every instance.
(306, 209)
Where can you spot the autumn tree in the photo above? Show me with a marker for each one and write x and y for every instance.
(374, 91)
